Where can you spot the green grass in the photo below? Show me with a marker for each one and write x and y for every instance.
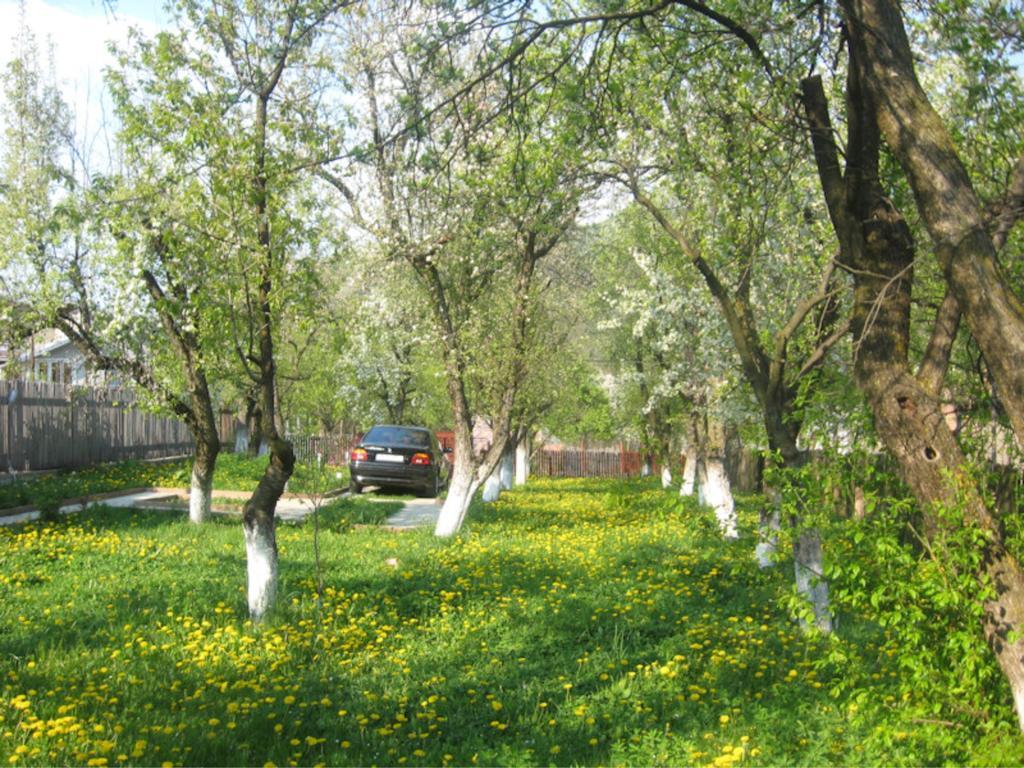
(573, 622)
(234, 472)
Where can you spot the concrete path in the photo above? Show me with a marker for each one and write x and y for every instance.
(417, 513)
(288, 509)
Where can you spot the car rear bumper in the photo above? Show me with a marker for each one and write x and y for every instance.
(377, 473)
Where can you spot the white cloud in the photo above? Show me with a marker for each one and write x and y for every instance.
(78, 34)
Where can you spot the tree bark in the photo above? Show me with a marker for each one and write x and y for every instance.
(716, 492)
(689, 484)
(254, 418)
(464, 479)
(768, 527)
(507, 466)
(808, 567)
(522, 460)
(258, 514)
(200, 495)
(492, 487)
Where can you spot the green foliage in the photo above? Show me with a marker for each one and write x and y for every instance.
(902, 592)
(576, 623)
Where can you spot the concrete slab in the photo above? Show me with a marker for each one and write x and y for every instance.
(290, 509)
(417, 513)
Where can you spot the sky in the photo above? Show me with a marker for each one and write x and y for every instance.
(78, 31)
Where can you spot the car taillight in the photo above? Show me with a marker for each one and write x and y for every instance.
(358, 454)
(420, 459)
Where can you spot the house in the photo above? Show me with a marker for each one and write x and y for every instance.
(52, 357)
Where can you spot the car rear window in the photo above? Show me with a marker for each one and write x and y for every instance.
(416, 438)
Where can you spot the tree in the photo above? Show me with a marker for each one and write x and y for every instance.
(471, 201)
(877, 244)
(270, 50)
(110, 288)
(674, 354)
(720, 180)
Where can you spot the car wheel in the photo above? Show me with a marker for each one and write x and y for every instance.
(429, 490)
(354, 488)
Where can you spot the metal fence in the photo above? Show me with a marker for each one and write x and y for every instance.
(331, 449)
(49, 426)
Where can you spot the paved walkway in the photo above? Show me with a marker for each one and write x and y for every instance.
(288, 509)
(417, 513)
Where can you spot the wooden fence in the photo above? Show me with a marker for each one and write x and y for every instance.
(576, 462)
(49, 426)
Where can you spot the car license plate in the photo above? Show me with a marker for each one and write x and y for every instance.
(392, 457)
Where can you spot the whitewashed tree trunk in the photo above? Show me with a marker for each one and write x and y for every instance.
(200, 496)
(242, 439)
(666, 476)
(687, 487)
(460, 493)
(809, 569)
(507, 468)
(767, 537)
(646, 469)
(261, 569)
(492, 487)
(207, 446)
(716, 492)
(522, 461)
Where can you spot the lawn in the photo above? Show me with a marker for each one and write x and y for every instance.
(573, 622)
(234, 472)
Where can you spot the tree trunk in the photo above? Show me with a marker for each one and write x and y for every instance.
(768, 526)
(647, 468)
(666, 475)
(946, 200)
(201, 490)
(507, 467)
(716, 492)
(522, 461)
(461, 488)
(257, 445)
(242, 439)
(909, 418)
(809, 570)
(693, 448)
(687, 487)
(492, 487)
(261, 563)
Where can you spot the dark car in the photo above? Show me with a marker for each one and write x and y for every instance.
(401, 457)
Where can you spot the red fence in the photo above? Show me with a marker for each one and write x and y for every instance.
(576, 462)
